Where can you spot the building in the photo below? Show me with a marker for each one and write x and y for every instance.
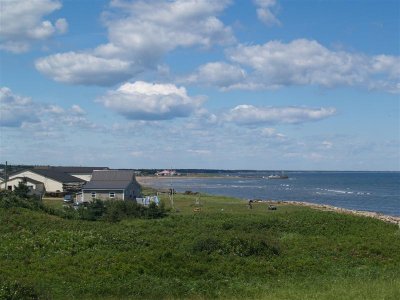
(111, 184)
(166, 173)
(53, 181)
(35, 187)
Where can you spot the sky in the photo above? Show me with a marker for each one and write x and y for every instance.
(228, 84)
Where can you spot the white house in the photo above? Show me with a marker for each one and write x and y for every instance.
(35, 187)
(54, 181)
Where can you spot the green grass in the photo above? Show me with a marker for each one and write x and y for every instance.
(223, 251)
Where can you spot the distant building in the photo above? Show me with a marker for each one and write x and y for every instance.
(111, 185)
(35, 187)
(53, 181)
(166, 173)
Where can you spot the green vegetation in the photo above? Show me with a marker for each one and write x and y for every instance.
(213, 247)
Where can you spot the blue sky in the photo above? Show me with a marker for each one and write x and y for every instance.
(263, 84)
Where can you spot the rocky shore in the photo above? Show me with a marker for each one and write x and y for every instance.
(382, 217)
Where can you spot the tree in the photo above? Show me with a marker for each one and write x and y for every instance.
(21, 190)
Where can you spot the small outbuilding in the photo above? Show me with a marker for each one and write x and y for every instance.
(111, 185)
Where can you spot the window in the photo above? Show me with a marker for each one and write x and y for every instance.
(112, 195)
(93, 195)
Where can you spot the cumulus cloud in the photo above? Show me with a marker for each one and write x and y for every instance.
(148, 101)
(304, 62)
(301, 62)
(77, 110)
(85, 68)
(265, 11)
(22, 23)
(19, 111)
(15, 110)
(252, 115)
(220, 74)
(140, 33)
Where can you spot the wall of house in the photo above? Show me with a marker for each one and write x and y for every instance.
(14, 182)
(133, 190)
(102, 195)
(50, 185)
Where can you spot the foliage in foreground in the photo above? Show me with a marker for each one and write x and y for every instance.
(112, 211)
(235, 253)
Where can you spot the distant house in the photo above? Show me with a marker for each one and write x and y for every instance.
(166, 173)
(35, 187)
(111, 184)
(53, 181)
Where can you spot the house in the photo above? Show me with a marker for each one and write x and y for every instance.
(111, 184)
(53, 181)
(166, 173)
(35, 187)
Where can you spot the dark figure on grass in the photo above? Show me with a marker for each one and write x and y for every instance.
(250, 204)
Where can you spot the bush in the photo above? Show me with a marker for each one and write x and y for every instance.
(17, 291)
(10, 199)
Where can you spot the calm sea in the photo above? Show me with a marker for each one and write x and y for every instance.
(370, 191)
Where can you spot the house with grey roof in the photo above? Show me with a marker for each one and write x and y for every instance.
(53, 181)
(111, 185)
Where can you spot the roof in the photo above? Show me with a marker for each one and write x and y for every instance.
(52, 174)
(27, 179)
(110, 179)
(74, 170)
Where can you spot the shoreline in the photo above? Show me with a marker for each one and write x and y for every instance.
(143, 180)
(327, 207)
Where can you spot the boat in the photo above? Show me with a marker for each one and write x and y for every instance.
(278, 176)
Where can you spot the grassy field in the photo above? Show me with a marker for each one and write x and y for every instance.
(208, 247)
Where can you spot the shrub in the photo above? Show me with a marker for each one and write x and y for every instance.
(17, 291)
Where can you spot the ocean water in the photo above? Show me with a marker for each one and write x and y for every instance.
(369, 191)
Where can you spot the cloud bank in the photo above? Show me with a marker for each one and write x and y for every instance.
(139, 34)
(302, 62)
(252, 115)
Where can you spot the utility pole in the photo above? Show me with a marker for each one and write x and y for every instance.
(5, 177)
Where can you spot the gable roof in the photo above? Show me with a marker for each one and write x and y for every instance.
(27, 179)
(52, 174)
(110, 179)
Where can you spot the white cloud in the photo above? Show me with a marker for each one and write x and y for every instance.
(264, 11)
(85, 68)
(22, 23)
(271, 133)
(306, 62)
(140, 33)
(147, 101)
(220, 74)
(40, 118)
(199, 151)
(252, 115)
(76, 109)
(16, 110)
(327, 145)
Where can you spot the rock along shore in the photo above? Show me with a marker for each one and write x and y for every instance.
(325, 207)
